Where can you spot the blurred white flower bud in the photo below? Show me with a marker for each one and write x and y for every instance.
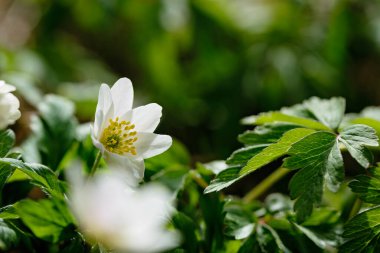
(9, 105)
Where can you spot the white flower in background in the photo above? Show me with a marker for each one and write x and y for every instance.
(125, 135)
(120, 218)
(9, 105)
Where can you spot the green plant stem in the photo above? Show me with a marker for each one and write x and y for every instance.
(198, 179)
(96, 163)
(263, 186)
(355, 208)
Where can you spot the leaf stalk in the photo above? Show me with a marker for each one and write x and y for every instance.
(264, 185)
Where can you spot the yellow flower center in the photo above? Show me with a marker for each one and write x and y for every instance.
(119, 137)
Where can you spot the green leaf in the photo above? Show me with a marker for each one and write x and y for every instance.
(328, 111)
(319, 240)
(6, 172)
(8, 237)
(238, 220)
(268, 133)
(55, 129)
(40, 175)
(8, 212)
(368, 187)
(362, 232)
(241, 156)
(7, 140)
(49, 220)
(272, 117)
(224, 179)
(172, 177)
(276, 150)
(264, 239)
(320, 160)
(188, 228)
(375, 124)
(356, 138)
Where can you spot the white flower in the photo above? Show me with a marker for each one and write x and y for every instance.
(125, 135)
(120, 218)
(9, 105)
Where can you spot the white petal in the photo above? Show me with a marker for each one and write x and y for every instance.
(96, 142)
(104, 99)
(149, 144)
(97, 123)
(104, 105)
(6, 88)
(122, 96)
(134, 167)
(145, 118)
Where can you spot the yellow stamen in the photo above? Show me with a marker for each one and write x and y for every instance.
(119, 138)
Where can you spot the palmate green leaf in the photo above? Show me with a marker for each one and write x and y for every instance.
(267, 133)
(48, 219)
(40, 175)
(356, 138)
(362, 232)
(276, 117)
(275, 150)
(328, 111)
(8, 237)
(320, 160)
(368, 187)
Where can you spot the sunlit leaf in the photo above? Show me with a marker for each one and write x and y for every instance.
(272, 117)
(328, 111)
(275, 150)
(267, 133)
(40, 175)
(49, 220)
(356, 138)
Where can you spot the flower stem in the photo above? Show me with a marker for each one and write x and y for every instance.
(264, 185)
(96, 163)
(355, 208)
(198, 179)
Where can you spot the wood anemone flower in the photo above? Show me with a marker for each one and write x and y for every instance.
(124, 134)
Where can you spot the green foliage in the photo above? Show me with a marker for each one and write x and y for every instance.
(7, 140)
(356, 138)
(315, 153)
(328, 112)
(54, 130)
(8, 237)
(362, 232)
(368, 187)
(40, 175)
(319, 159)
(48, 219)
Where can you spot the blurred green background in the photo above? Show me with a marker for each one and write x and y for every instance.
(207, 62)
